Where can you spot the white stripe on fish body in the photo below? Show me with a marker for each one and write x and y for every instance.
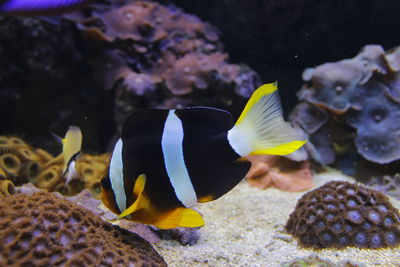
(116, 176)
(71, 172)
(172, 147)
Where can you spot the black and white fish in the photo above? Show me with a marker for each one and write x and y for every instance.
(167, 161)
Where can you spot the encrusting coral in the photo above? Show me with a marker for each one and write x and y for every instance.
(156, 56)
(351, 108)
(6, 188)
(20, 163)
(43, 230)
(90, 169)
(341, 214)
(279, 172)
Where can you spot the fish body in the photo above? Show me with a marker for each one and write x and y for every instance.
(72, 145)
(40, 7)
(167, 161)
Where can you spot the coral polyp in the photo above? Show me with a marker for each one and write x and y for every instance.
(44, 230)
(20, 163)
(342, 214)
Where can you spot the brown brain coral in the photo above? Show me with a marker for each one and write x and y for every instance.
(43, 230)
(341, 214)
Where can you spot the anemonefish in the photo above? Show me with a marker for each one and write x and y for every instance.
(167, 161)
(40, 7)
(72, 144)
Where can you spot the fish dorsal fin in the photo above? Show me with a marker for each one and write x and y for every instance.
(143, 121)
(181, 217)
(140, 201)
(205, 120)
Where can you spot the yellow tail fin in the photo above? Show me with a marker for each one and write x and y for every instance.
(261, 128)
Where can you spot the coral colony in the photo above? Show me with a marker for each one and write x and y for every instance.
(22, 163)
(44, 230)
(353, 103)
(157, 56)
(107, 59)
(342, 214)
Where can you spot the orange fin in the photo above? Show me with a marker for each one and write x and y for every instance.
(205, 199)
(139, 202)
(181, 217)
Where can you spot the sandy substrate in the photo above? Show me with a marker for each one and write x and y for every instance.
(246, 228)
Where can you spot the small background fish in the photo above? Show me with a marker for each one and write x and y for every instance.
(40, 7)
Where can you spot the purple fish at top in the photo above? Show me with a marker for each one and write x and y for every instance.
(40, 7)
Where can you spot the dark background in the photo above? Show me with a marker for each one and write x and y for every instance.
(276, 38)
(280, 38)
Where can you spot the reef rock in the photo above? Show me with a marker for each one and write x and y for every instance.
(389, 185)
(279, 172)
(41, 229)
(156, 55)
(341, 214)
(351, 108)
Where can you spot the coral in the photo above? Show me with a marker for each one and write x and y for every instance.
(158, 56)
(350, 110)
(279, 172)
(90, 169)
(20, 162)
(389, 185)
(341, 214)
(41, 229)
(6, 188)
(85, 199)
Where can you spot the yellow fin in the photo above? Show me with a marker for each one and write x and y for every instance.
(139, 202)
(261, 91)
(283, 149)
(181, 217)
(205, 199)
(261, 128)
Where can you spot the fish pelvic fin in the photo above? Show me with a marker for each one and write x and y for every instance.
(261, 128)
(72, 144)
(180, 217)
(141, 201)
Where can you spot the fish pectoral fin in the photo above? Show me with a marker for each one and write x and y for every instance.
(181, 217)
(140, 201)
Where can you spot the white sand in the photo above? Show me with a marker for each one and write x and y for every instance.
(246, 228)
